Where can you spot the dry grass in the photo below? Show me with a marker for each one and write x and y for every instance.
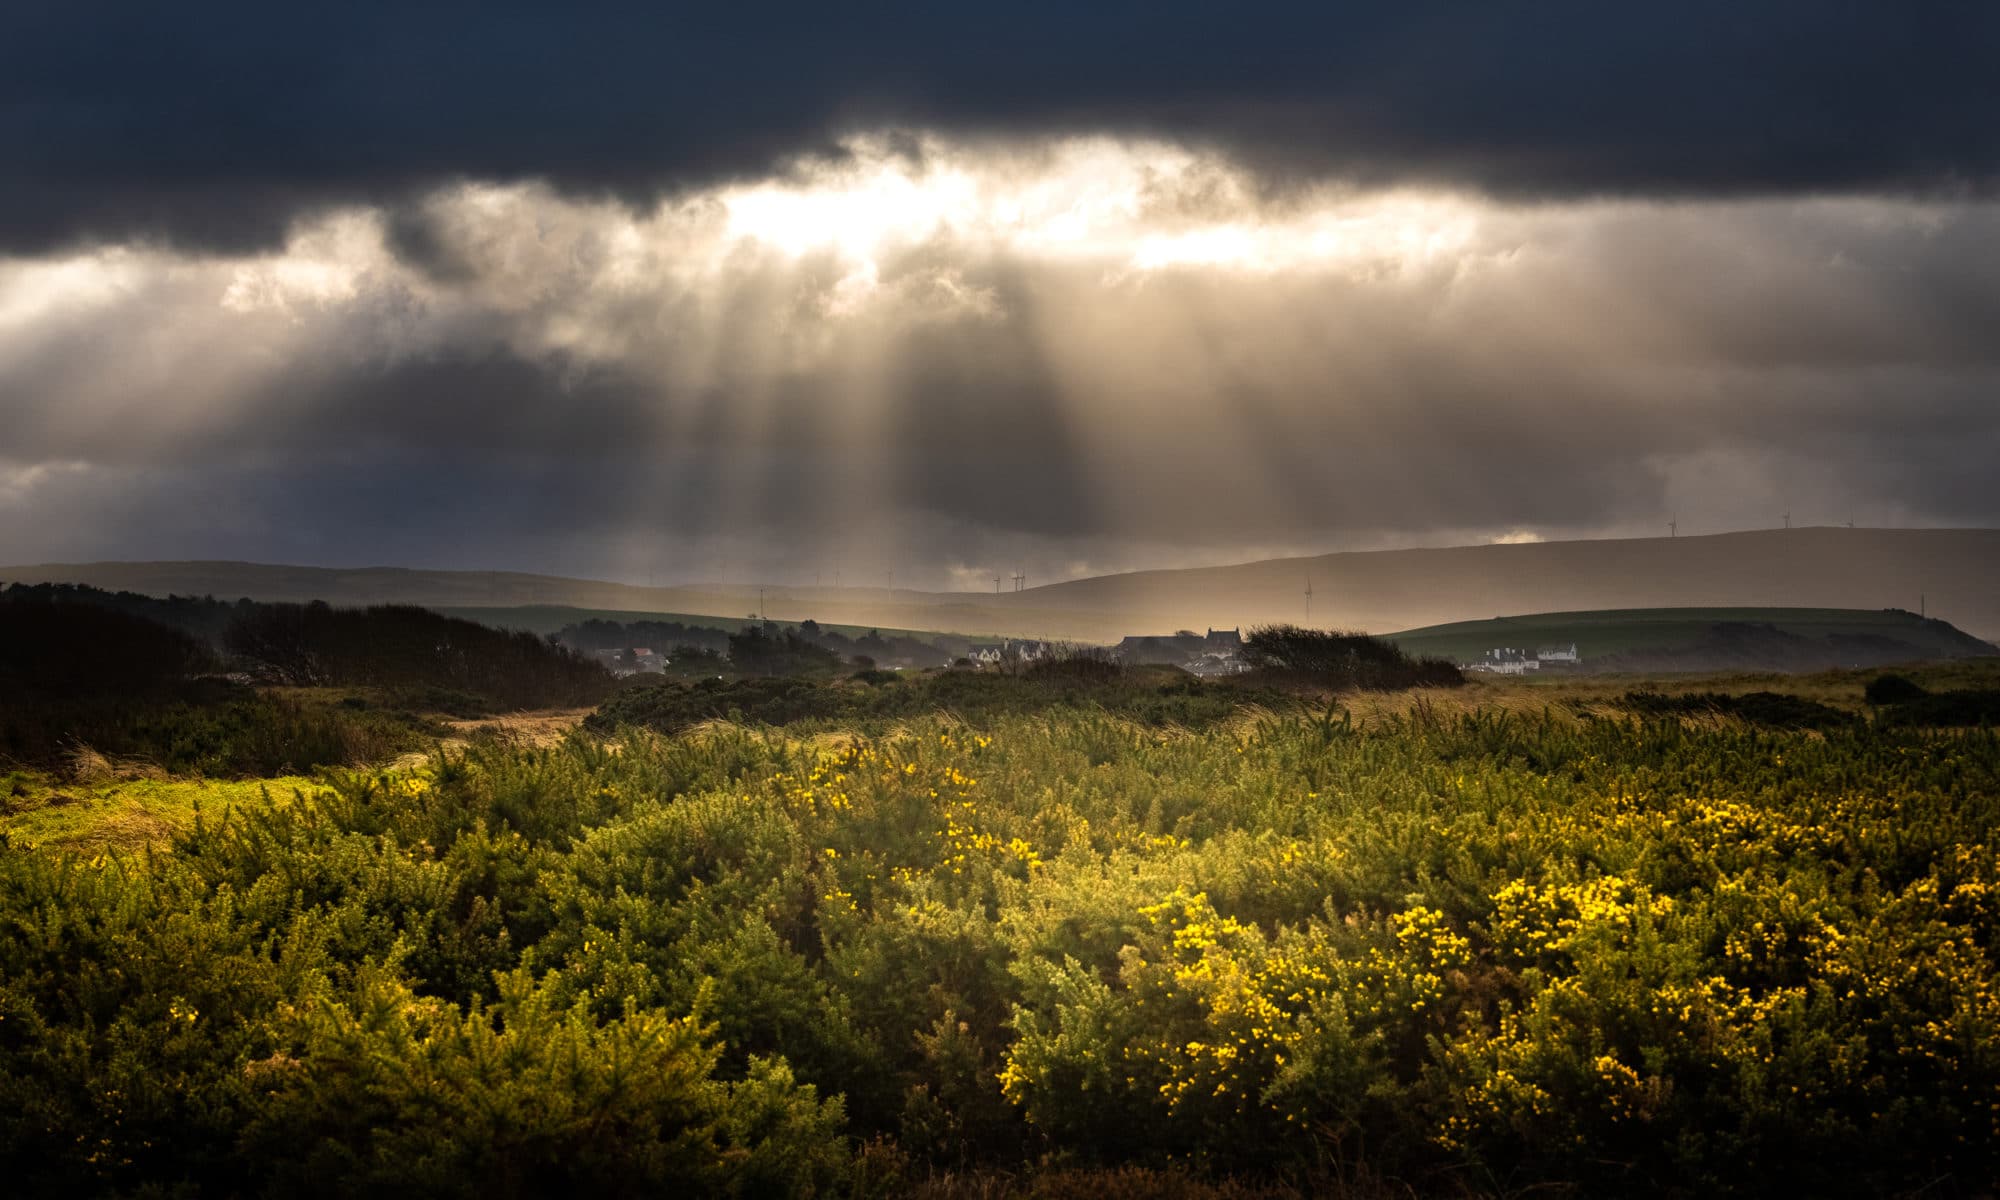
(539, 728)
(531, 730)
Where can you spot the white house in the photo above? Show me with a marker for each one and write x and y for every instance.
(1506, 660)
(987, 654)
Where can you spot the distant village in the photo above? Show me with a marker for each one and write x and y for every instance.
(1214, 652)
(1513, 660)
(1217, 652)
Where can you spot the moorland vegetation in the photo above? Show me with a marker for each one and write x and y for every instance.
(1059, 929)
(971, 949)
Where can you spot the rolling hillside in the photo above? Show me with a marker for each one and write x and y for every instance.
(1709, 638)
(1953, 573)
(550, 618)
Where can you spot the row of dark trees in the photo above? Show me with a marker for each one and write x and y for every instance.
(79, 682)
(67, 640)
(405, 646)
(761, 642)
(599, 634)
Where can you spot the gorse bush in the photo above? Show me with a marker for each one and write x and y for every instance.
(1458, 953)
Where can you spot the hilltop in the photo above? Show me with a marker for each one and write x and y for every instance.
(1953, 574)
(1709, 639)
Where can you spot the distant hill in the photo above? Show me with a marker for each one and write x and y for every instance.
(1953, 573)
(552, 618)
(1704, 639)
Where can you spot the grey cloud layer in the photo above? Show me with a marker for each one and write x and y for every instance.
(552, 381)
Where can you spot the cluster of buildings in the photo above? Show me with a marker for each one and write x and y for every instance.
(1008, 650)
(635, 661)
(1514, 660)
(1217, 652)
(1211, 653)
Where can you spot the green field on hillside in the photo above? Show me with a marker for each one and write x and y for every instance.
(1640, 630)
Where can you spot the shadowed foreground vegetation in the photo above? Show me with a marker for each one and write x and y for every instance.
(1073, 951)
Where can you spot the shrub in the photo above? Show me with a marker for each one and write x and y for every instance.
(390, 1091)
(1777, 710)
(1962, 708)
(1892, 689)
(1341, 661)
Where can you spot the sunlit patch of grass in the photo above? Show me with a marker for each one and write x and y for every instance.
(126, 814)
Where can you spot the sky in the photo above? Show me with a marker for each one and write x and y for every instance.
(665, 293)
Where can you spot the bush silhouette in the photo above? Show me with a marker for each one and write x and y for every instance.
(1892, 689)
(1341, 661)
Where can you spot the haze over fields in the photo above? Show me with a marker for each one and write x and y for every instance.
(1953, 574)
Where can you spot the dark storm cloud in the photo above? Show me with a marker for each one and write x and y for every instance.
(214, 124)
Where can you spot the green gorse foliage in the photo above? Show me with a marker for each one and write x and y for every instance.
(1464, 952)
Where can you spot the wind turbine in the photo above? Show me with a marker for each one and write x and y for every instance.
(1309, 601)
